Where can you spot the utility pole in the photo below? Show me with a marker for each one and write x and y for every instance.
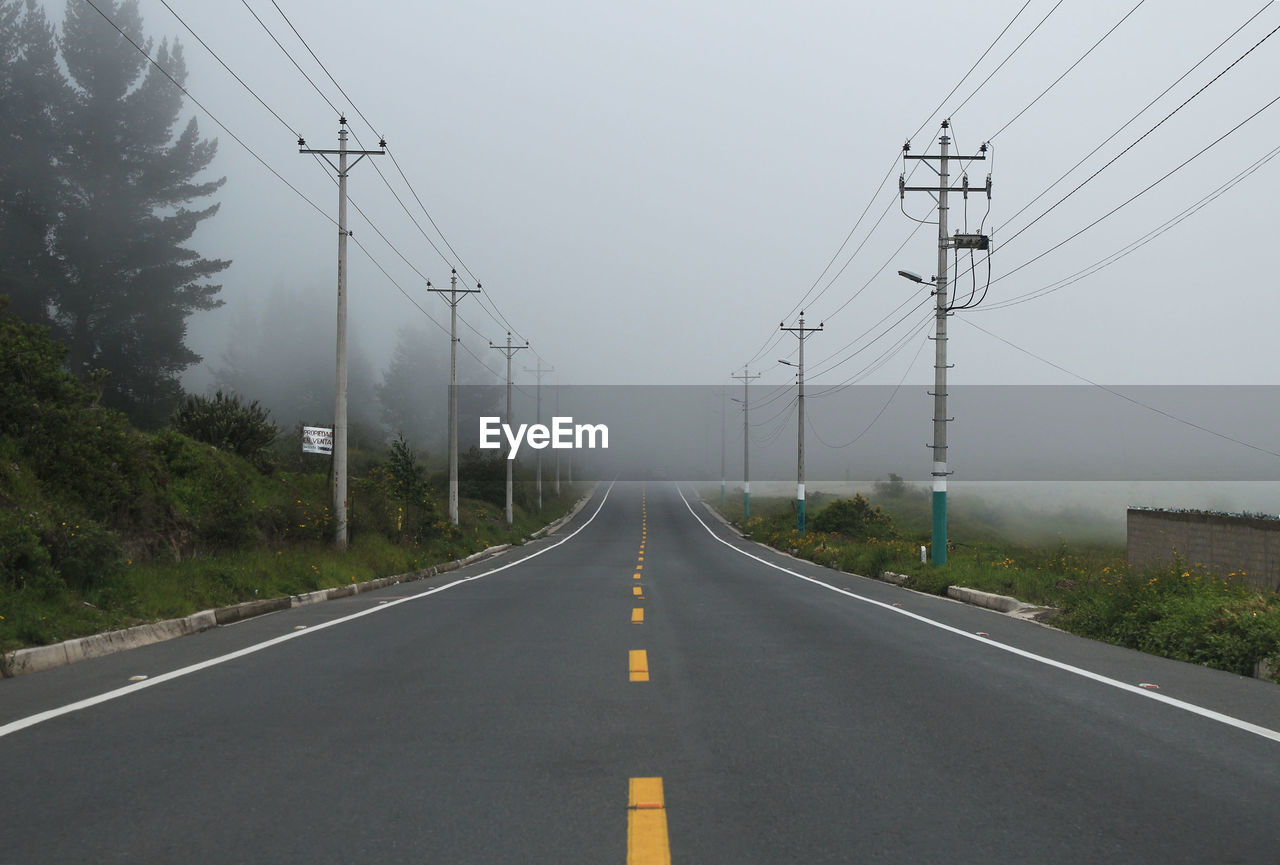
(938, 539)
(722, 445)
(509, 350)
(746, 378)
(801, 332)
(557, 414)
(453, 300)
(340, 388)
(538, 371)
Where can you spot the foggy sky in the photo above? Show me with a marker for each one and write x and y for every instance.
(646, 190)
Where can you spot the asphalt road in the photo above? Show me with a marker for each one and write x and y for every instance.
(794, 715)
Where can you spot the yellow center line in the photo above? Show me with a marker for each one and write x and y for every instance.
(639, 665)
(637, 591)
(637, 576)
(637, 616)
(639, 567)
(647, 842)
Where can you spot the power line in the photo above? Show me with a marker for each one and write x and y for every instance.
(881, 335)
(883, 408)
(878, 361)
(187, 93)
(1141, 192)
(775, 337)
(328, 101)
(1015, 50)
(1143, 110)
(252, 93)
(1140, 138)
(1134, 246)
(1126, 397)
(486, 301)
(1113, 29)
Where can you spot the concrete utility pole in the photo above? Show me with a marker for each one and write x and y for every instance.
(557, 414)
(509, 350)
(722, 445)
(453, 300)
(746, 378)
(943, 309)
(538, 371)
(340, 388)
(801, 331)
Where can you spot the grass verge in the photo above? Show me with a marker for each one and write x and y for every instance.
(1178, 611)
(163, 588)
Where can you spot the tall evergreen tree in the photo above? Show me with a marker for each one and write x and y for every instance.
(125, 281)
(33, 96)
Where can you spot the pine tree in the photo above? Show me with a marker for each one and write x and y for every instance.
(125, 282)
(33, 95)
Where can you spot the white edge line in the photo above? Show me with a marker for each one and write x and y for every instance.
(49, 714)
(1230, 721)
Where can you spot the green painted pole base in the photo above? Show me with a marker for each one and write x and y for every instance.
(746, 506)
(939, 541)
(800, 515)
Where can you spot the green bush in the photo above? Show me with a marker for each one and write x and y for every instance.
(854, 518)
(210, 494)
(226, 423)
(24, 560)
(483, 476)
(395, 500)
(1180, 614)
(87, 556)
(74, 447)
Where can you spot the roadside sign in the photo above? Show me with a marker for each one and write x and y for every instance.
(317, 440)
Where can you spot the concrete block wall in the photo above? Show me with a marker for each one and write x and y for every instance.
(1220, 543)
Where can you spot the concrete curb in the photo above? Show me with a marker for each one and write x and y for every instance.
(573, 512)
(1002, 604)
(37, 658)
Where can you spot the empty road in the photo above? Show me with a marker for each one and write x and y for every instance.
(643, 684)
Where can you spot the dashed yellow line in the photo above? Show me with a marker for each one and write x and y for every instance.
(637, 616)
(647, 842)
(639, 665)
(637, 575)
(638, 591)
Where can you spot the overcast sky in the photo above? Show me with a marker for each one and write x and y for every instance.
(646, 189)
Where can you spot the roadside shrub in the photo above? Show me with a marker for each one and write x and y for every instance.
(226, 423)
(1180, 614)
(395, 500)
(86, 555)
(208, 491)
(854, 518)
(24, 561)
(483, 476)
